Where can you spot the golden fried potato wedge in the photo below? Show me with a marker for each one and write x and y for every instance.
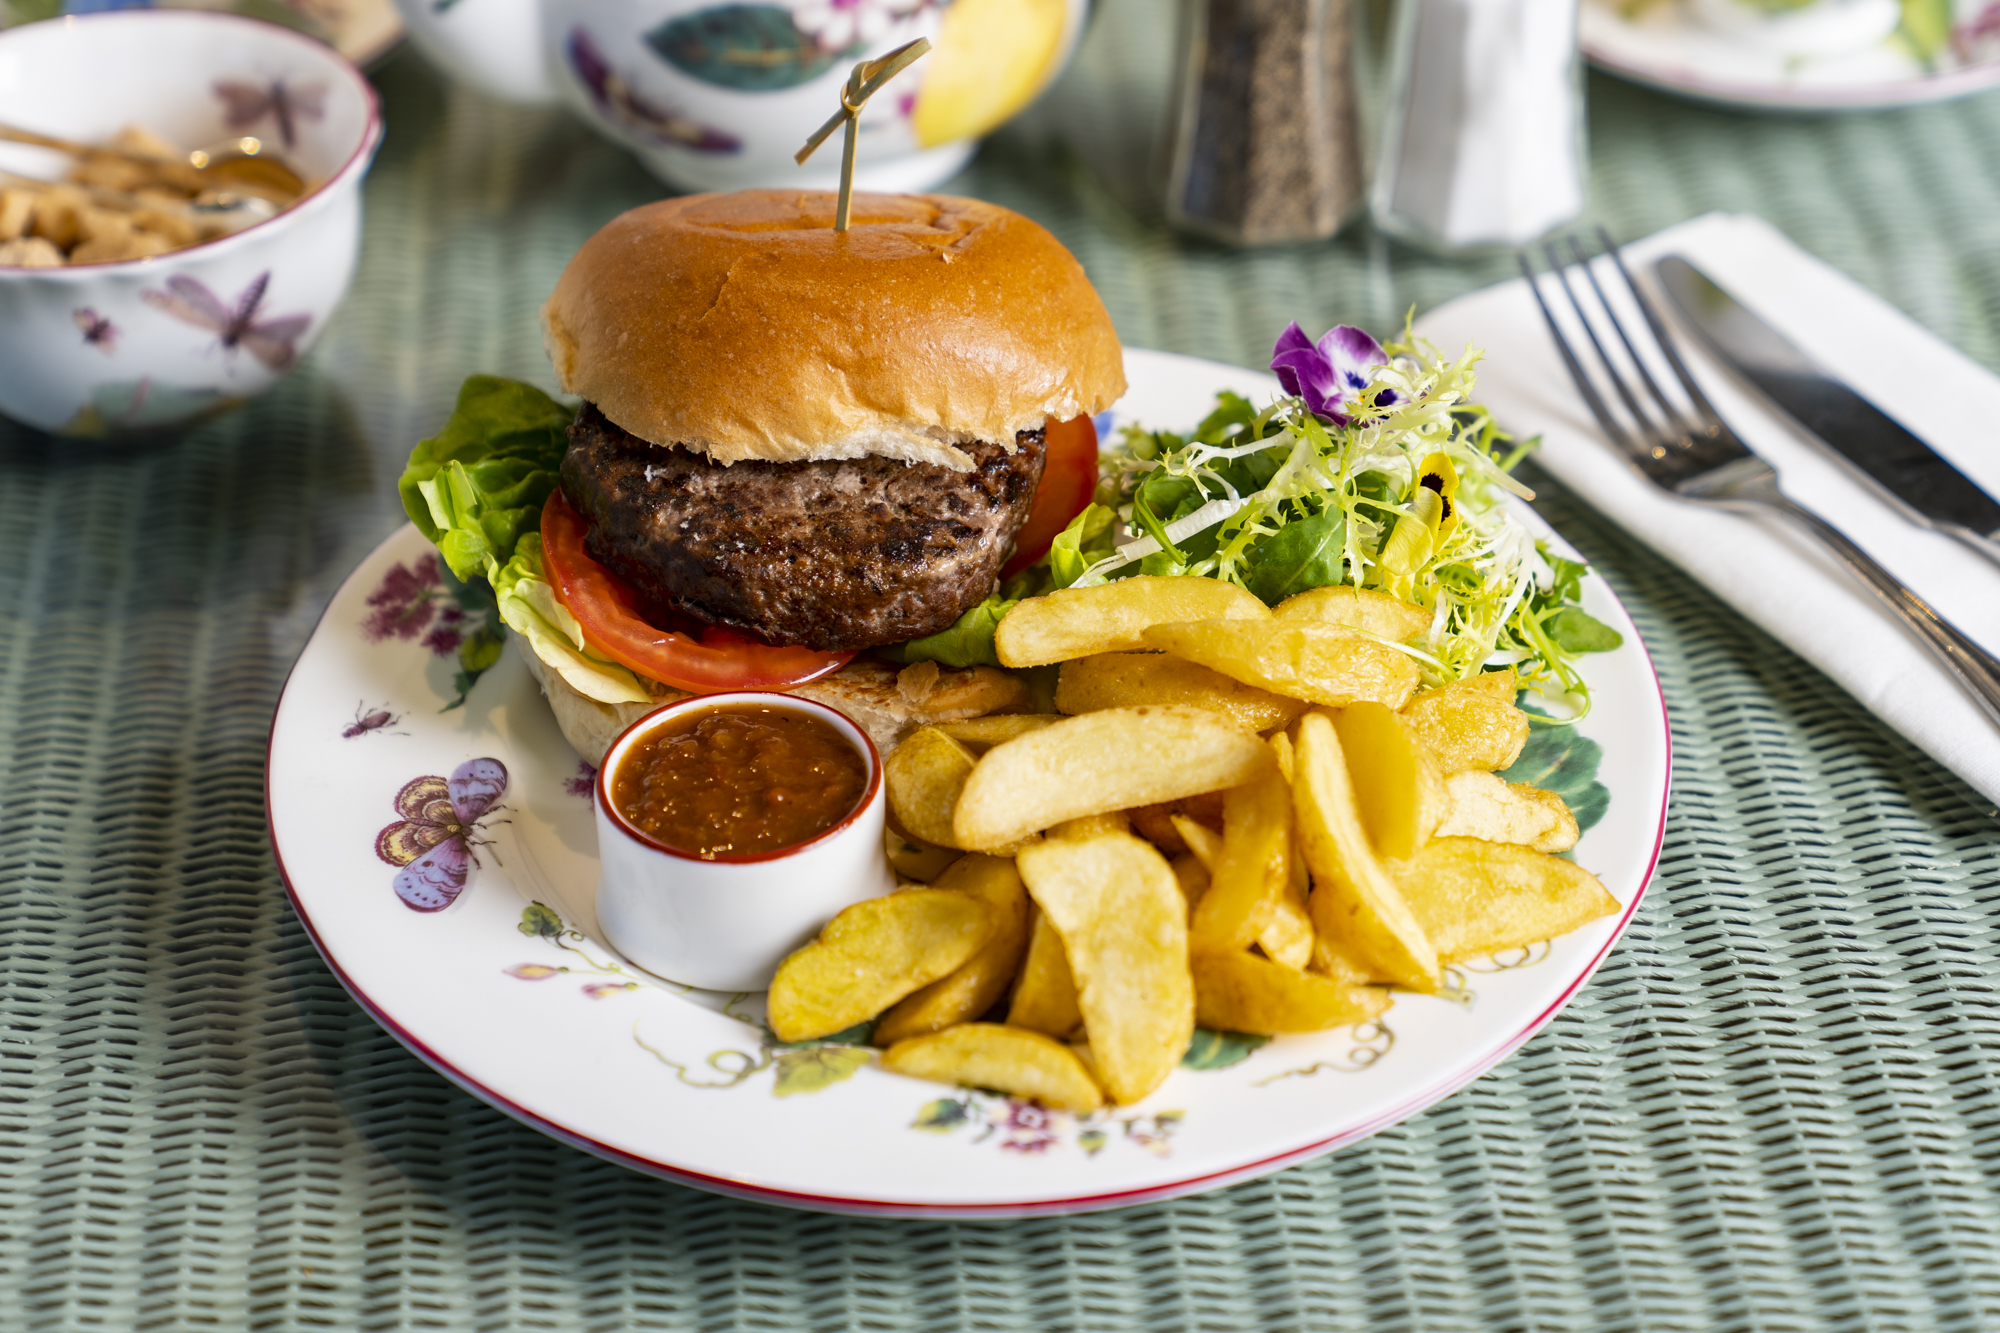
(1087, 765)
(977, 984)
(924, 776)
(1503, 684)
(1250, 874)
(1045, 993)
(1484, 806)
(1287, 936)
(1155, 822)
(997, 729)
(1091, 826)
(1474, 898)
(912, 858)
(1193, 878)
(1009, 1060)
(1364, 609)
(1240, 992)
(872, 955)
(1396, 782)
(1355, 905)
(1204, 844)
(1322, 664)
(1466, 725)
(1335, 964)
(1081, 622)
(1125, 680)
(1123, 924)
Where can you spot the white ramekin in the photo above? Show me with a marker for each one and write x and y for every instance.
(726, 923)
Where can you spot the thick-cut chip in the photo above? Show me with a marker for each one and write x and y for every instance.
(1503, 684)
(1364, 609)
(1045, 994)
(1112, 617)
(1288, 935)
(1322, 664)
(1125, 680)
(914, 859)
(1204, 844)
(1480, 805)
(1240, 992)
(1193, 878)
(1124, 926)
(1092, 826)
(1396, 782)
(1009, 1060)
(979, 982)
(1474, 898)
(997, 729)
(1355, 905)
(1335, 964)
(1249, 876)
(1101, 761)
(1155, 823)
(924, 776)
(1466, 725)
(872, 955)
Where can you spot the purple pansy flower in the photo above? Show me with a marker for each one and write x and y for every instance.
(1329, 372)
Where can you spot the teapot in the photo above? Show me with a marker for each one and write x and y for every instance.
(719, 94)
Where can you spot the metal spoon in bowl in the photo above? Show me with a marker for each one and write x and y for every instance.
(235, 166)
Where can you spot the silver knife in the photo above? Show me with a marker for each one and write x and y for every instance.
(1904, 470)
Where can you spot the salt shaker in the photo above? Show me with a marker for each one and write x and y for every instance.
(1265, 144)
(1483, 145)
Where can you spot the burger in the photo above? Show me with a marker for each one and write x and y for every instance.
(799, 447)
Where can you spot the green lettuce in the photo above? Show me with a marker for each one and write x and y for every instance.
(528, 604)
(967, 642)
(478, 484)
(1085, 541)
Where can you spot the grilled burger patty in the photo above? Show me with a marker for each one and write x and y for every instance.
(850, 553)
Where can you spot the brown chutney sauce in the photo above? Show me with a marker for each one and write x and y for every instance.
(738, 779)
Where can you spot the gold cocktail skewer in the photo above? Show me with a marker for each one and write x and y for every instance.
(866, 80)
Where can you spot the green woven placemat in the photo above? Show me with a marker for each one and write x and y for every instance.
(1776, 1108)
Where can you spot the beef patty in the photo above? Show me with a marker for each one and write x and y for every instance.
(852, 553)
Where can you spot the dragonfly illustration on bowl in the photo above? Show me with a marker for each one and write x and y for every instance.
(235, 325)
(433, 841)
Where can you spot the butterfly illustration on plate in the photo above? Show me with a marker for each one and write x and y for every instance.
(98, 331)
(272, 341)
(433, 840)
(244, 104)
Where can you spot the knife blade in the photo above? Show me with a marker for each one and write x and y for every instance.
(1905, 471)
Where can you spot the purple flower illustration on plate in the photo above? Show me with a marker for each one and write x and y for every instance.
(584, 784)
(1329, 372)
(411, 601)
(98, 331)
(433, 840)
(272, 341)
(245, 104)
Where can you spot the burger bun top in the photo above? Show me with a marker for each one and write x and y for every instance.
(745, 327)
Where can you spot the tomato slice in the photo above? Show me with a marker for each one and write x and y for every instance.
(605, 605)
(1069, 480)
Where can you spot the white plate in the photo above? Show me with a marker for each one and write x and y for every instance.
(555, 1030)
(1667, 47)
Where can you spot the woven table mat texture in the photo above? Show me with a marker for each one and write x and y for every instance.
(1777, 1107)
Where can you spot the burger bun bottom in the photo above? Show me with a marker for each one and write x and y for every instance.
(886, 701)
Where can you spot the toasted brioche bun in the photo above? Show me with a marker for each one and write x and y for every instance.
(743, 326)
(886, 702)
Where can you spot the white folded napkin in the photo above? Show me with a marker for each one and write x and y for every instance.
(1777, 577)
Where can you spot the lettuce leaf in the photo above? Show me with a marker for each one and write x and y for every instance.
(1077, 547)
(968, 641)
(478, 484)
(528, 604)
(1307, 553)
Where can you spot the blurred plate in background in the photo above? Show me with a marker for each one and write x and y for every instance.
(362, 30)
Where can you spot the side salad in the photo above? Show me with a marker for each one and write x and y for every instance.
(1373, 468)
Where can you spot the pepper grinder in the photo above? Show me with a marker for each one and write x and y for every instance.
(1265, 144)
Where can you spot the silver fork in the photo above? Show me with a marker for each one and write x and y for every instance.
(1694, 455)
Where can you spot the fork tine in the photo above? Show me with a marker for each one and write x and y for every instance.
(1598, 407)
(1676, 425)
(1648, 434)
(1711, 419)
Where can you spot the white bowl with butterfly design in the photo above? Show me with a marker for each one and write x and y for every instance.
(148, 345)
